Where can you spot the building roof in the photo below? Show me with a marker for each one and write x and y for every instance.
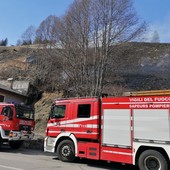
(17, 92)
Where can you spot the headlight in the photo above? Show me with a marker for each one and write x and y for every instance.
(12, 134)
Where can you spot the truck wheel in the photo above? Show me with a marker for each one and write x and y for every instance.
(152, 160)
(66, 151)
(15, 144)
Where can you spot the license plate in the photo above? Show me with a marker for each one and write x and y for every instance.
(24, 132)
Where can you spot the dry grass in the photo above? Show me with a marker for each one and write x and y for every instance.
(42, 109)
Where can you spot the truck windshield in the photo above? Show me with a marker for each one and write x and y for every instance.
(58, 111)
(24, 112)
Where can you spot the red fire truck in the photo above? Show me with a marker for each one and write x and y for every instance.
(16, 124)
(131, 129)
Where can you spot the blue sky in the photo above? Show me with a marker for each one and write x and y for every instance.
(157, 14)
(17, 15)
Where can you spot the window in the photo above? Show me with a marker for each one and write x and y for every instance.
(24, 112)
(58, 111)
(7, 111)
(84, 110)
(1, 98)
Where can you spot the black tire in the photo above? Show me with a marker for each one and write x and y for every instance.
(152, 160)
(15, 144)
(66, 151)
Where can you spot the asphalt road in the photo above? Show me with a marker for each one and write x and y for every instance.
(26, 159)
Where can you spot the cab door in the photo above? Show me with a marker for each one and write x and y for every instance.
(6, 118)
(58, 119)
(86, 120)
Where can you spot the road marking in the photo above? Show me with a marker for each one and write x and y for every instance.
(8, 167)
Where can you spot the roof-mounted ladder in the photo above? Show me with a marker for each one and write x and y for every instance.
(148, 93)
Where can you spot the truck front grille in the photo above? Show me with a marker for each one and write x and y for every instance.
(7, 132)
(25, 127)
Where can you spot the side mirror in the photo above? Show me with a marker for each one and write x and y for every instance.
(50, 115)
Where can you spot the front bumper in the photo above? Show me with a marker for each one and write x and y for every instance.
(20, 135)
(49, 144)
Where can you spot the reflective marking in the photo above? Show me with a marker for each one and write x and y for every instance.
(144, 102)
(120, 153)
(52, 131)
(79, 125)
(72, 121)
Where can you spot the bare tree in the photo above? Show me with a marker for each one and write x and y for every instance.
(48, 64)
(28, 36)
(47, 32)
(87, 35)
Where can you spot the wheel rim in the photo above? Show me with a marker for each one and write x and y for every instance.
(66, 150)
(152, 163)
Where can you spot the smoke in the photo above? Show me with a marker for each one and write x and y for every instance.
(163, 29)
(159, 65)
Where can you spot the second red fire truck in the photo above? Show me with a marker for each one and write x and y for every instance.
(131, 129)
(16, 124)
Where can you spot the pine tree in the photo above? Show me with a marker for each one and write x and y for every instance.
(4, 42)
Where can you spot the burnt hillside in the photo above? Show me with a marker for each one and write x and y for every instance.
(144, 66)
(144, 58)
(138, 66)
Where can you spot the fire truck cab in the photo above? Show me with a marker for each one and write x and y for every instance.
(16, 124)
(129, 129)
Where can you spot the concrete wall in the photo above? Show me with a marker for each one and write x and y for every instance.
(12, 98)
(21, 86)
